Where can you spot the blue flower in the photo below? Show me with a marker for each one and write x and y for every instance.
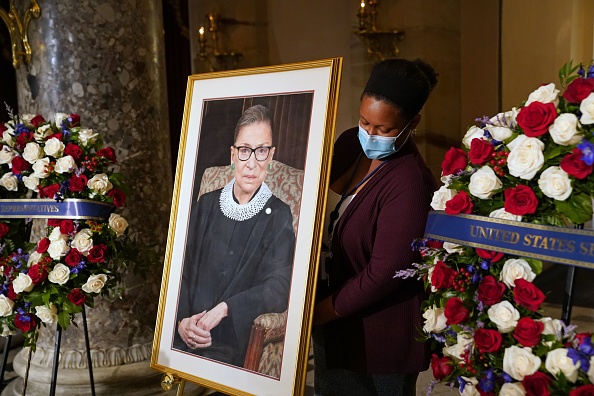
(586, 346)
(587, 150)
(506, 377)
(576, 356)
(590, 71)
(485, 264)
(487, 384)
(581, 72)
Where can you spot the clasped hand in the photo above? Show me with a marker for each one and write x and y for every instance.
(195, 330)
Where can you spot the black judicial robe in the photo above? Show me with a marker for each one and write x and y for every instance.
(246, 264)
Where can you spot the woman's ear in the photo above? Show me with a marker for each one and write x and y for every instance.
(271, 157)
(415, 121)
(231, 152)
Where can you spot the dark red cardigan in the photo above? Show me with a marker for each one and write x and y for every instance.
(380, 315)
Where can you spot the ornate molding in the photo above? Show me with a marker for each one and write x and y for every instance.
(18, 27)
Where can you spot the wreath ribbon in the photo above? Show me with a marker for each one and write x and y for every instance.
(52, 209)
(555, 244)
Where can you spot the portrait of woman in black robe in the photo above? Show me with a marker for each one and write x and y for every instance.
(239, 251)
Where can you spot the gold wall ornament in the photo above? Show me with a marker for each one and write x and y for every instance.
(381, 43)
(209, 53)
(18, 28)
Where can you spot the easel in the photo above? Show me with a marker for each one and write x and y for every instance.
(169, 380)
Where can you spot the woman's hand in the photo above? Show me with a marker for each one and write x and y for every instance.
(192, 334)
(213, 317)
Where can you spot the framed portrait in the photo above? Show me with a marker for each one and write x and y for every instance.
(245, 230)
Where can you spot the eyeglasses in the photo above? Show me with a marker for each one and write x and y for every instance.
(261, 153)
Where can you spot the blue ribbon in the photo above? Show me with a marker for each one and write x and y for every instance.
(555, 244)
(51, 209)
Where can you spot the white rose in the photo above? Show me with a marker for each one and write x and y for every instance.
(554, 182)
(99, 184)
(441, 196)
(557, 361)
(56, 235)
(40, 168)
(8, 137)
(452, 248)
(591, 370)
(9, 182)
(22, 283)
(32, 152)
(484, 182)
(60, 274)
(48, 315)
(520, 362)
(473, 132)
(42, 132)
(587, 110)
(503, 214)
(500, 133)
(86, 137)
(6, 331)
(59, 117)
(504, 315)
(553, 327)
(512, 389)
(525, 157)
(435, 320)
(54, 147)
(95, 283)
(31, 182)
(65, 164)
(6, 305)
(544, 94)
(34, 258)
(464, 342)
(564, 130)
(117, 223)
(83, 241)
(58, 249)
(507, 118)
(515, 269)
(26, 118)
(6, 155)
(469, 387)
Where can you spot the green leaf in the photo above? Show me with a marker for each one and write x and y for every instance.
(64, 319)
(535, 264)
(577, 208)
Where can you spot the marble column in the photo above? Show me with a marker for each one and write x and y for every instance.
(105, 61)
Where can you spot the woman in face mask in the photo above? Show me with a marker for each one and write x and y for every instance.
(366, 320)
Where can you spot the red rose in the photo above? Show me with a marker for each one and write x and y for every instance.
(37, 121)
(574, 165)
(480, 151)
(74, 120)
(55, 135)
(78, 183)
(37, 273)
(97, 254)
(579, 89)
(442, 367)
(10, 293)
(77, 297)
(25, 322)
(53, 222)
(49, 191)
(455, 311)
(536, 118)
(19, 164)
(4, 228)
(3, 128)
(489, 255)
(443, 276)
(490, 291)
(461, 203)
(582, 336)
(432, 243)
(487, 341)
(528, 295)
(73, 150)
(43, 245)
(585, 390)
(537, 384)
(453, 161)
(66, 227)
(73, 258)
(107, 152)
(23, 139)
(520, 200)
(119, 198)
(528, 331)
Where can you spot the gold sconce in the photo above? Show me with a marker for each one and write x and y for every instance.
(381, 43)
(209, 52)
(18, 28)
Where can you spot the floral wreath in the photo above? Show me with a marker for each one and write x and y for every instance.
(79, 258)
(483, 316)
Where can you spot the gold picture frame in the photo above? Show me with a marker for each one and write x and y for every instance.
(303, 99)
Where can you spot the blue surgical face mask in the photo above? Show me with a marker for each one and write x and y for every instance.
(377, 147)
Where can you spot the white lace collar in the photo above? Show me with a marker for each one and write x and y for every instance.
(238, 212)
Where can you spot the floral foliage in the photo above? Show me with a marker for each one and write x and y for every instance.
(483, 315)
(51, 281)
